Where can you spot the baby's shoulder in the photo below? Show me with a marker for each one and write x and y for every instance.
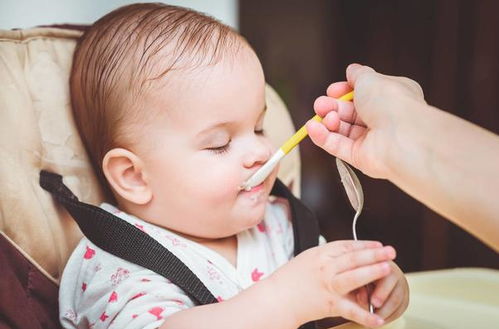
(88, 262)
(97, 287)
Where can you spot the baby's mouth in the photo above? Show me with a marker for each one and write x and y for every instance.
(255, 194)
(253, 189)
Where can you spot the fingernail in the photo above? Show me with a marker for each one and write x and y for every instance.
(390, 252)
(353, 66)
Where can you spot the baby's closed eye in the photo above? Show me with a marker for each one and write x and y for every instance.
(220, 149)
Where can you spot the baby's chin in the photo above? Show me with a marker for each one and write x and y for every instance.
(252, 222)
(257, 213)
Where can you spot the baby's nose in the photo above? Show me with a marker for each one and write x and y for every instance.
(258, 154)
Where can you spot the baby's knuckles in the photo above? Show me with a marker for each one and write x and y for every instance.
(298, 286)
(310, 276)
(321, 263)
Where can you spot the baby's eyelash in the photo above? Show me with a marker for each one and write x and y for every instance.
(220, 149)
(225, 148)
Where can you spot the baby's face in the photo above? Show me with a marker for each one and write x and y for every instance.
(206, 145)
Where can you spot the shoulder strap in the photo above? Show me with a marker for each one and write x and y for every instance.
(305, 225)
(124, 240)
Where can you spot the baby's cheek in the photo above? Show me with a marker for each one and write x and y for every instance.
(223, 183)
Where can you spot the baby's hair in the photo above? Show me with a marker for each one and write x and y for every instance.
(129, 52)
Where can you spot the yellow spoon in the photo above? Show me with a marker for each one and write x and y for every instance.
(259, 176)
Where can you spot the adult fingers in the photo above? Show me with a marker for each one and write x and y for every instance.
(351, 311)
(356, 71)
(380, 90)
(345, 109)
(334, 124)
(338, 89)
(350, 280)
(353, 132)
(324, 104)
(333, 143)
(367, 84)
(331, 121)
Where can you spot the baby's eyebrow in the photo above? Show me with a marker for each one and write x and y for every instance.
(222, 124)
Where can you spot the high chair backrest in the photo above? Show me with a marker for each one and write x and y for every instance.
(37, 132)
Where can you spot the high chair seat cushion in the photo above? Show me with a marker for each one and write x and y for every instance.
(37, 132)
(28, 299)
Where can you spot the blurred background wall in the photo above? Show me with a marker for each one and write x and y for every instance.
(450, 47)
(28, 13)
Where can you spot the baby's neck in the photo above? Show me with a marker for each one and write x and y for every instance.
(226, 247)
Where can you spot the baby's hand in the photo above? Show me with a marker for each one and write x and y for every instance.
(390, 295)
(318, 282)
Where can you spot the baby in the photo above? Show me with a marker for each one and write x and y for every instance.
(170, 105)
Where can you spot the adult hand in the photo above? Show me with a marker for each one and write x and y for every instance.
(364, 132)
(390, 132)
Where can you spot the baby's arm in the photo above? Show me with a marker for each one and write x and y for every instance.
(254, 307)
(314, 285)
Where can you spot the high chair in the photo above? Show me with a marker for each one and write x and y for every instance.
(37, 235)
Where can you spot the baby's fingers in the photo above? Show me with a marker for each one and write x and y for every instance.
(364, 257)
(395, 305)
(340, 247)
(333, 143)
(350, 280)
(351, 311)
(361, 296)
(384, 288)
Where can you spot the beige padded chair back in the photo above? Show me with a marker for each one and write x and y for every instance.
(37, 132)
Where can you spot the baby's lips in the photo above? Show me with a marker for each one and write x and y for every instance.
(243, 186)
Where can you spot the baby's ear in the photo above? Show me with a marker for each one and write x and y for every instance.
(125, 173)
